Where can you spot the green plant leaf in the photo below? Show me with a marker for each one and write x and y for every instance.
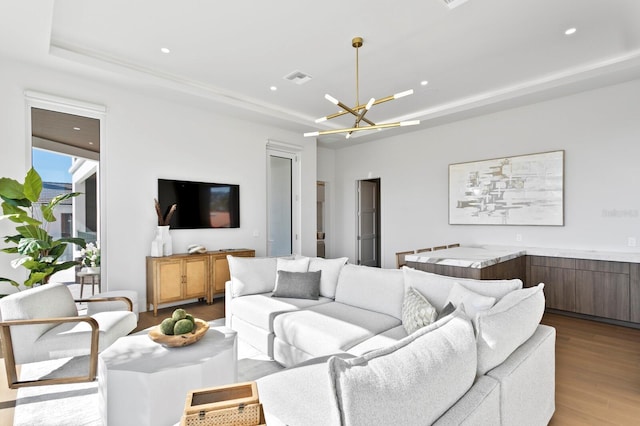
(11, 188)
(32, 247)
(57, 249)
(22, 202)
(32, 185)
(37, 277)
(47, 209)
(74, 240)
(9, 250)
(64, 266)
(12, 282)
(32, 231)
(19, 261)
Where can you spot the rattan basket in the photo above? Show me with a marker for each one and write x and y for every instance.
(232, 405)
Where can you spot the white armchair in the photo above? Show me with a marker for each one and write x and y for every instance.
(43, 323)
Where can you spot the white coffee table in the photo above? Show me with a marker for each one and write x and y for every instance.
(144, 383)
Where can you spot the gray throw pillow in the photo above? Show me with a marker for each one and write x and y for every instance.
(298, 285)
(417, 312)
(447, 310)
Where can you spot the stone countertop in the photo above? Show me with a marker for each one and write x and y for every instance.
(480, 256)
(467, 256)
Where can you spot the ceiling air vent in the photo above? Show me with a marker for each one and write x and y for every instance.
(451, 4)
(298, 77)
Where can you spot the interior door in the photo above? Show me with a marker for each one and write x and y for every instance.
(280, 230)
(368, 222)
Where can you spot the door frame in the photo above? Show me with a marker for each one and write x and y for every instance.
(293, 152)
(378, 220)
(85, 109)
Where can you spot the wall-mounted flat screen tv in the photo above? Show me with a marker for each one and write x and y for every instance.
(200, 204)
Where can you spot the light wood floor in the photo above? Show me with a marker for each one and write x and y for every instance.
(597, 369)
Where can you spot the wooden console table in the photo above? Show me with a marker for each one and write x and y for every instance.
(188, 276)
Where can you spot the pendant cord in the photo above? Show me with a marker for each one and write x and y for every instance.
(357, 80)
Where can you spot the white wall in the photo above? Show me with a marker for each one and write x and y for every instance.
(148, 138)
(599, 131)
(327, 173)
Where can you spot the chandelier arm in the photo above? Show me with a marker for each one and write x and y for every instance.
(377, 126)
(346, 108)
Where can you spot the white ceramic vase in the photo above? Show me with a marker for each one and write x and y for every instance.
(162, 245)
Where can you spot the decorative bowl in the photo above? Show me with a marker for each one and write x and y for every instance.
(198, 332)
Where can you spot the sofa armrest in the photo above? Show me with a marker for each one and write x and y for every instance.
(128, 302)
(9, 354)
(527, 380)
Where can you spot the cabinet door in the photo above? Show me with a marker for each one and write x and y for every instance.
(220, 274)
(603, 294)
(559, 286)
(195, 272)
(169, 276)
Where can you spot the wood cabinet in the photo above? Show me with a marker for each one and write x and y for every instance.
(220, 268)
(188, 276)
(602, 289)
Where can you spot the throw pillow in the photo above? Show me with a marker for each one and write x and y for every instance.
(402, 384)
(300, 264)
(473, 302)
(252, 275)
(417, 312)
(330, 272)
(507, 325)
(447, 310)
(298, 285)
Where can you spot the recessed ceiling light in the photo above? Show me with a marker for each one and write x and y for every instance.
(570, 31)
(76, 128)
(424, 83)
(165, 50)
(273, 88)
(90, 143)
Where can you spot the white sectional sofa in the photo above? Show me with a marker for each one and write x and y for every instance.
(380, 346)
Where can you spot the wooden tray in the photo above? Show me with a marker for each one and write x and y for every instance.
(181, 339)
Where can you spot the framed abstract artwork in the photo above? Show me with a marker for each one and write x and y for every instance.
(520, 190)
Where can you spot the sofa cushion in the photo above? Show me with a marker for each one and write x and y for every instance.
(330, 327)
(299, 396)
(412, 382)
(382, 340)
(252, 275)
(330, 272)
(300, 285)
(261, 309)
(471, 301)
(507, 325)
(299, 264)
(374, 289)
(417, 312)
(436, 287)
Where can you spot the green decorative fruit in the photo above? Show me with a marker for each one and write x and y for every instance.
(190, 318)
(179, 314)
(166, 326)
(183, 326)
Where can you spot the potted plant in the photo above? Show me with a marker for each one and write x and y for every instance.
(39, 251)
(90, 257)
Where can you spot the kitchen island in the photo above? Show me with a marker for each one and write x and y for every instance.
(480, 262)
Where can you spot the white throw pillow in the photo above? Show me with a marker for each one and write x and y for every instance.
(252, 275)
(417, 312)
(436, 287)
(507, 325)
(330, 272)
(472, 302)
(412, 382)
(300, 264)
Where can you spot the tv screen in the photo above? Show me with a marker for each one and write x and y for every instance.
(200, 204)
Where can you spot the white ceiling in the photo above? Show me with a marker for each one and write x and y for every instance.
(481, 56)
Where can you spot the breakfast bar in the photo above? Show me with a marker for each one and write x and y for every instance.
(482, 262)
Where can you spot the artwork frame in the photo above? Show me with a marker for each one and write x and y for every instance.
(518, 190)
